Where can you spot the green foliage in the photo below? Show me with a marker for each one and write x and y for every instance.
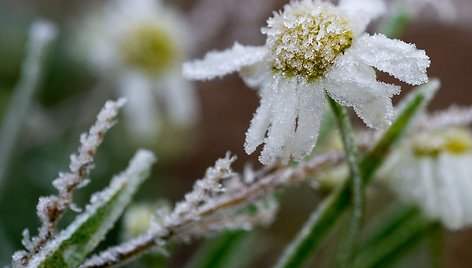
(72, 246)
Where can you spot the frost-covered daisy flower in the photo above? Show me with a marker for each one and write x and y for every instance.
(314, 48)
(434, 172)
(141, 45)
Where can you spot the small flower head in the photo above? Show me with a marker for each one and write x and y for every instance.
(433, 171)
(150, 48)
(306, 38)
(451, 141)
(138, 45)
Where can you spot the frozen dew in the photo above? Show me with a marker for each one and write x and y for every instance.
(149, 48)
(306, 38)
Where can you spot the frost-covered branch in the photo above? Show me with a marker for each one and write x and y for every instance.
(50, 209)
(217, 203)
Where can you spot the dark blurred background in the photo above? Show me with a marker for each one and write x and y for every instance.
(65, 106)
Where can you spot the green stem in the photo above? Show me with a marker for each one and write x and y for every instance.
(219, 252)
(436, 240)
(324, 217)
(390, 244)
(40, 36)
(355, 183)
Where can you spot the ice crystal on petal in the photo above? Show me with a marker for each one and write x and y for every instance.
(217, 64)
(394, 57)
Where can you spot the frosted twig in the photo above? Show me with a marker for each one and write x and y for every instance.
(217, 213)
(41, 34)
(50, 209)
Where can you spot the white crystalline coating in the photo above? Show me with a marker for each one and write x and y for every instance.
(125, 185)
(355, 85)
(362, 12)
(397, 58)
(440, 185)
(67, 182)
(203, 190)
(220, 63)
(310, 114)
(260, 122)
(292, 78)
(278, 144)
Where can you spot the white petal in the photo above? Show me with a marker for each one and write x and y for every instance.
(311, 98)
(464, 175)
(180, 99)
(362, 12)
(217, 64)
(141, 109)
(425, 185)
(283, 119)
(355, 85)
(256, 74)
(256, 133)
(397, 58)
(448, 192)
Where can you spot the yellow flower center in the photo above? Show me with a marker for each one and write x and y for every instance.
(149, 48)
(306, 38)
(452, 141)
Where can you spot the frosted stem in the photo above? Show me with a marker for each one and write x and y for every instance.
(356, 183)
(211, 213)
(41, 34)
(50, 209)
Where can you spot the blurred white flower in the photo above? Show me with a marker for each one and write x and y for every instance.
(433, 171)
(314, 48)
(141, 44)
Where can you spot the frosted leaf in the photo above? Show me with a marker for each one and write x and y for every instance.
(311, 100)
(89, 228)
(217, 64)
(362, 12)
(278, 144)
(261, 121)
(397, 58)
(356, 85)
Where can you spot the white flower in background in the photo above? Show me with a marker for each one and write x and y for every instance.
(434, 172)
(141, 44)
(314, 48)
